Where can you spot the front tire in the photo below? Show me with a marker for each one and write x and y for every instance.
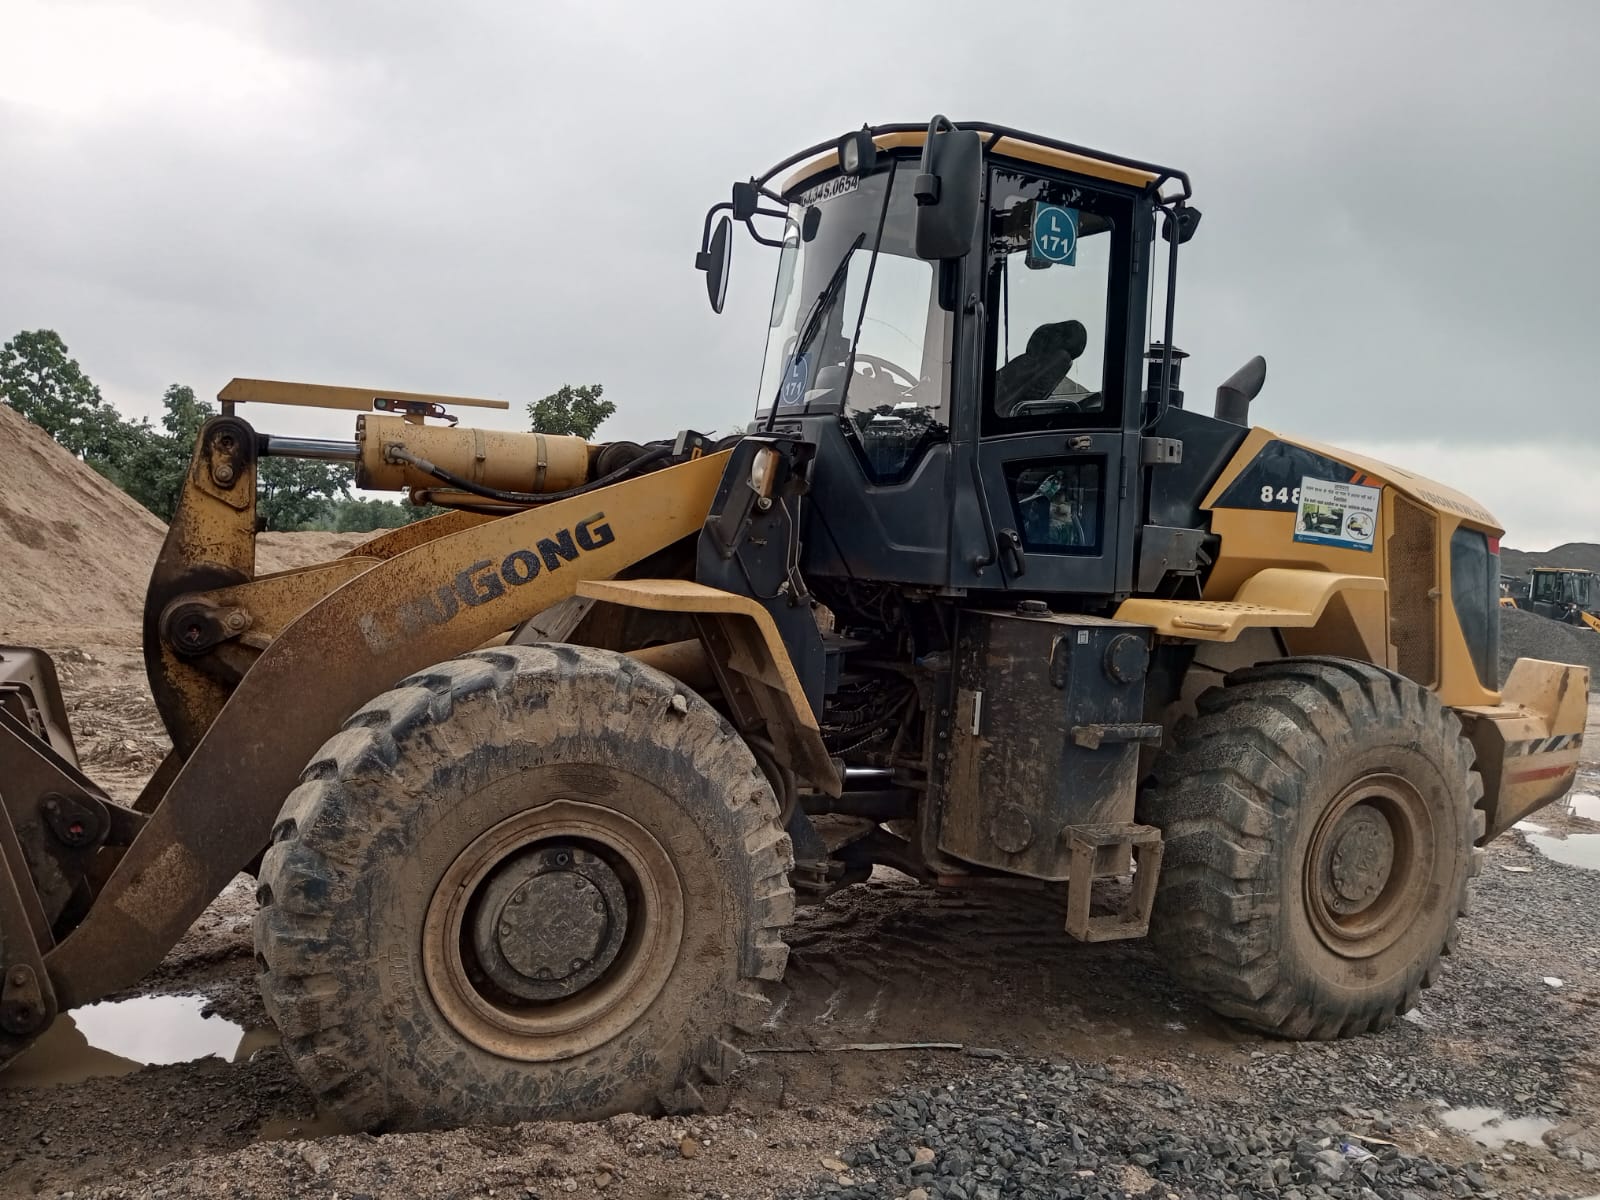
(534, 882)
(1320, 818)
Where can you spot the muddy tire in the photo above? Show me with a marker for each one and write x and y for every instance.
(534, 882)
(1319, 818)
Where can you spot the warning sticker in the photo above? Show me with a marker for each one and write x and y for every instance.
(1336, 514)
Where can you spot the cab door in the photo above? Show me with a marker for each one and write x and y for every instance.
(1057, 451)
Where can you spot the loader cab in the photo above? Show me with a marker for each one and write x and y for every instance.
(1562, 589)
(976, 418)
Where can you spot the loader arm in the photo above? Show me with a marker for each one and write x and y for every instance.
(422, 606)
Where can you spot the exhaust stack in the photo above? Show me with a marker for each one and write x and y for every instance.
(1237, 390)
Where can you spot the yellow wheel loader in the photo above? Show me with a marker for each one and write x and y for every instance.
(1566, 594)
(531, 789)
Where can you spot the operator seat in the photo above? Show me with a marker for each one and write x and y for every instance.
(1034, 374)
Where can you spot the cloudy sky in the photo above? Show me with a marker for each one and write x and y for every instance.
(496, 198)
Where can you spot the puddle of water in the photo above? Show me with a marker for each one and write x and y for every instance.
(1583, 804)
(1576, 850)
(253, 1040)
(1492, 1128)
(1530, 827)
(118, 1037)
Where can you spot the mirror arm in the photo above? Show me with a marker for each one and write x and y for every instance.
(1165, 399)
(705, 234)
(925, 187)
(765, 241)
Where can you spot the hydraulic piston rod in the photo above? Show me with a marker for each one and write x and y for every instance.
(274, 446)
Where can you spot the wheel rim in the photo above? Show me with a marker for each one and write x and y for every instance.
(1369, 865)
(552, 932)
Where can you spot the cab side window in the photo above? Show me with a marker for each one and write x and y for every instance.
(1057, 504)
(1051, 304)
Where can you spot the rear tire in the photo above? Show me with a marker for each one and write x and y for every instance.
(1319, 818)
(415, 988)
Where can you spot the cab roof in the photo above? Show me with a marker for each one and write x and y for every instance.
(1000, 140)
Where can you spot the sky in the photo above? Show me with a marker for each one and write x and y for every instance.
(495, 199)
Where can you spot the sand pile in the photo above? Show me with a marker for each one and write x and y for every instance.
(74, 549)
(285, 551)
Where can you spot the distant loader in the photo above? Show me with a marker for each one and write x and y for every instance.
(1565, 594)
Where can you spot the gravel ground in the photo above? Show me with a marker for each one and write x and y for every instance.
(1528, 635)
(1363, 1119)
(1083, 1071)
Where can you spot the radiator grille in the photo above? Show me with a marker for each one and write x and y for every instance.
(1413, 581)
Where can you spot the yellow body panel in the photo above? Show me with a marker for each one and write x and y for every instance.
(1255, 540)
(756, 661)
(1284, 598)
(1528, 744)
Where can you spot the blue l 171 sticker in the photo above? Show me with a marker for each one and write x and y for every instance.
(1055, 235)
(793, 389)
(1337, 514)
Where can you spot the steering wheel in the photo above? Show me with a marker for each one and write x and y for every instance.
(891, 369)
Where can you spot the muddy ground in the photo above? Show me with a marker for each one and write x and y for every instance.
(989, 976)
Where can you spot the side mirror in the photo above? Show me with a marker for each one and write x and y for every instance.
(714, 261)
(948, 189)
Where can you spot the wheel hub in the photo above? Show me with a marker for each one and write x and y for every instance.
(1367, 866)
(1360, 860)
(551, 921)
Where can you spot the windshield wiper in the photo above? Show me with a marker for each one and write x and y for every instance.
(813, 319)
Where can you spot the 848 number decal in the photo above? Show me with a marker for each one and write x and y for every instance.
(1283, 495)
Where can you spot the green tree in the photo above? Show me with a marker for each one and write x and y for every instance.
(294, 492)
(575, 411)
(356, 514)
(153, 471)
(43, 382)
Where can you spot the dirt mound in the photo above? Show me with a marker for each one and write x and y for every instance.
(1583, 555)
(1528, 635)
(285, 551)
(74, 549)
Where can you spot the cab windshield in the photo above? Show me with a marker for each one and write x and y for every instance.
(858, 332)
(1562, 587)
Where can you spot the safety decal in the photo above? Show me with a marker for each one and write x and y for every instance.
(1336, 514)
(1562, 741)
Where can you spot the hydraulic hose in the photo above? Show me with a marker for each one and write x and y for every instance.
(401, 454)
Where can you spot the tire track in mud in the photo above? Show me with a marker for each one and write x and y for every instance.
(895, 961)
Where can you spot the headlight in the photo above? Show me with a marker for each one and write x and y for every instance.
(858, 153)
(764, 472)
